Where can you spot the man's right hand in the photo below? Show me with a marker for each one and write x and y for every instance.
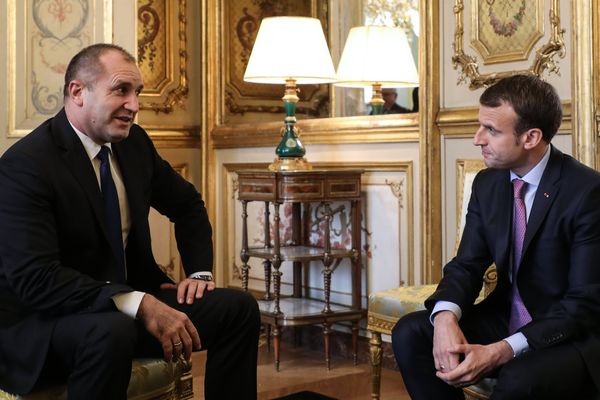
(172, 328)
(446, 335)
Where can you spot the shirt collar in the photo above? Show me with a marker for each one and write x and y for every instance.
(91, 148)
(534, 176)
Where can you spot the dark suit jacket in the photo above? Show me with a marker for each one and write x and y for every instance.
(54, 251)
(559, 275)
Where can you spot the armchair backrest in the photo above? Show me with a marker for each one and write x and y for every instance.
(465, 174)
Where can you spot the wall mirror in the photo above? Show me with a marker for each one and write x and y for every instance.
(252, 115)
(347, 102)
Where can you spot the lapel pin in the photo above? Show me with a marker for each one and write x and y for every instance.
(546, 195)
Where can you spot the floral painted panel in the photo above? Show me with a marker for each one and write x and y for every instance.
(45, 35)
(58, 30)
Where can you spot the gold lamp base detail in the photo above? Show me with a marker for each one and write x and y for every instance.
(290, 164)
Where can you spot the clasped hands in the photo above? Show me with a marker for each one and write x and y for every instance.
(173, 329)
(450, 345)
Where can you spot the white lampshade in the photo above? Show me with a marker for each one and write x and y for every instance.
(377, 54)
(290, 48)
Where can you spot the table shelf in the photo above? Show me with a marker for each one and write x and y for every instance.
(299, 253)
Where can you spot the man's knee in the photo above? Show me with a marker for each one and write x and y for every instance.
(409, 334)
(241, 307)
(249, 307)
(113, 332)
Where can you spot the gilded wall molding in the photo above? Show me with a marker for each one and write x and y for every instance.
(463, 122)
(544, 58)
(174, 137)
(162, 54)
(364, 129)
(584, 64)
(429, 142)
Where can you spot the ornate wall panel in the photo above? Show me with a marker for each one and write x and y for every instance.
(387, 232)
(162, 53)
(241, 22)
(505, 31)
(43, 36)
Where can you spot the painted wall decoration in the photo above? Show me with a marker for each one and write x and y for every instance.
(242, 20)
(162, 54)
(43, 36)
(60, 28)
(505, 31)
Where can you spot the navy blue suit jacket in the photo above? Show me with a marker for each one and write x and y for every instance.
(559, 274)
(54, 252)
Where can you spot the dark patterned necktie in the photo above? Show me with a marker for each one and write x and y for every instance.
(112, 216)
(519, 315)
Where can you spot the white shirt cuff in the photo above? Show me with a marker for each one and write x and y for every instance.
(201, 273)
(518, 343)
(445, 306)
(128, 303)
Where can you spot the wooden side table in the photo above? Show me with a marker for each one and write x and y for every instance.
(298, 188)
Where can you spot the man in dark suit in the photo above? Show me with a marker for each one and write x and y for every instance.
(535, 214)
(80, 292)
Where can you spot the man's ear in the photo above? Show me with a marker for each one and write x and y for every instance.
(533, 137)
(75, 91)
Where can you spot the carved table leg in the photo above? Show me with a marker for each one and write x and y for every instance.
(267, 263)
(268, 334)
(276, 259)
(267, 266)
(355, 341)
(244, 252)
(375, 353)
(327, 259)
(276, 344)
(327, 344)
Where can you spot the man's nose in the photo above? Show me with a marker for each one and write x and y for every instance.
(133, 103)
(478, 139)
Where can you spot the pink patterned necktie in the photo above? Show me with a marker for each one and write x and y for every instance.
(519, 315)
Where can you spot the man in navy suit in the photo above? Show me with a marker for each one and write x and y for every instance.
(535, 213)
(76, 304)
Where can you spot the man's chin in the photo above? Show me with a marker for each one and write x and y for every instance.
(118, 136)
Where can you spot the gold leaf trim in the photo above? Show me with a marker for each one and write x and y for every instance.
(544, 59)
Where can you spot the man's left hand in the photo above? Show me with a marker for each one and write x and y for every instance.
(189, 289)
(479, 361)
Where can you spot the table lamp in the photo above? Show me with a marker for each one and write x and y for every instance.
(377, 56)
(290, 51)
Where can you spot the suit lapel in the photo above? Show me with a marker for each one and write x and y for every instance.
(504, 222)
(78, 163)
(546, 192)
